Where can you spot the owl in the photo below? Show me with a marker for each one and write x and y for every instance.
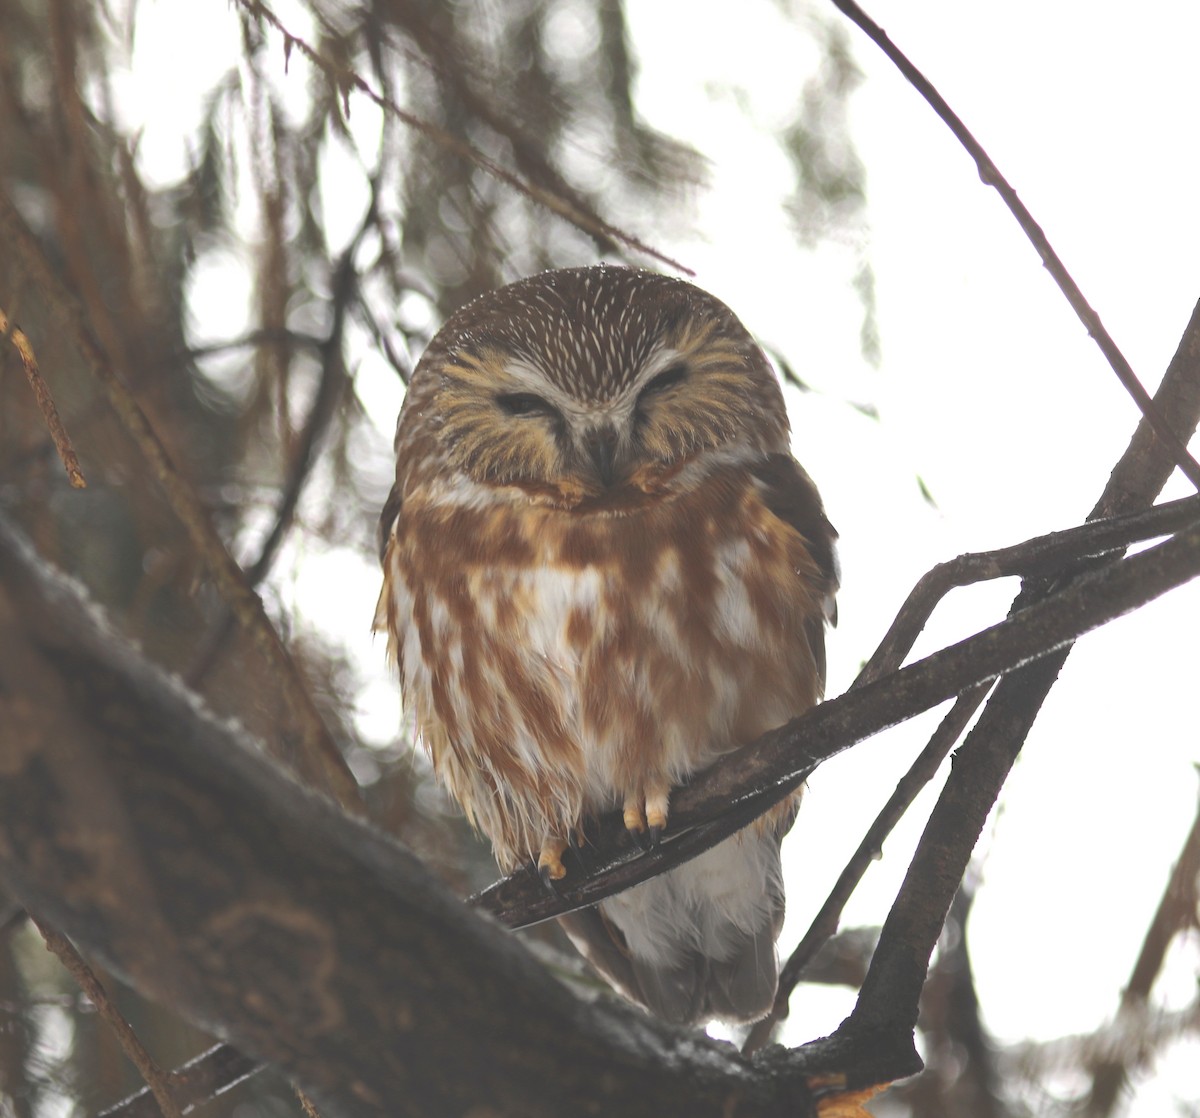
(603, 569)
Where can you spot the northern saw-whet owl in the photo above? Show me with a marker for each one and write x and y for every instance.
(602, 570)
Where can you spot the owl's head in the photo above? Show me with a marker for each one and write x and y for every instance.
(586, 381)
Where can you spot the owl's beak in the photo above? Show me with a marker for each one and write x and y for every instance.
(600, 445)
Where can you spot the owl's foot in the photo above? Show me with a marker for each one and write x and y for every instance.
(550, 864)
(646, 819)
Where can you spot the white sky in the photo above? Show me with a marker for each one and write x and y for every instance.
(988, 389)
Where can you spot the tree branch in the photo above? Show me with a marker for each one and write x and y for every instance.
(888, 1000)
(196, 869)
(200, 1080)
(10, 331)
(990, 174)
(825, 924)
(157, 1081)
(1040, 557)
(747, 782)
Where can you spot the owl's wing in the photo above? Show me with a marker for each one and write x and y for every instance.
(386, 620)
(387, 519)
(790, 494)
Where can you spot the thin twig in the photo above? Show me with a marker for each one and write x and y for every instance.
(991, 175)
(41, 393)
(200, 1080)
(306, 1104)
(346, 79)
(312, 748)
(1038, 557)
(825, 923)
(156, 1078)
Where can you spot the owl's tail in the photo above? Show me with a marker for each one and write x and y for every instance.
(697, 942)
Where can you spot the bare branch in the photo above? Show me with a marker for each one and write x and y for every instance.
(200, 1080)
(991, 175)
(41, 393)
(1040, 557)
(889, 996)
(747, 782)
(156, 1079)
(825, 924)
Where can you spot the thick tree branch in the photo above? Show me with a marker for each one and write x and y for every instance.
(197, 870)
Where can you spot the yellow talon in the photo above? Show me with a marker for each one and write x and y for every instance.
(550, 864)
(634, 819)
(657, 805)
(646, 814)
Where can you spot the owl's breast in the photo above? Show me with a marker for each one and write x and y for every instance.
(555, 661)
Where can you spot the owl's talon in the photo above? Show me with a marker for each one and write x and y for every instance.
(549, 882)
(635, 821)
(657, 806)
(646, 818)
(550, 864)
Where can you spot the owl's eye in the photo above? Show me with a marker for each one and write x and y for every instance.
(671, 375)
(525, 403)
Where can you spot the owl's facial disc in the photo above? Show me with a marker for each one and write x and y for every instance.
(588, 383)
